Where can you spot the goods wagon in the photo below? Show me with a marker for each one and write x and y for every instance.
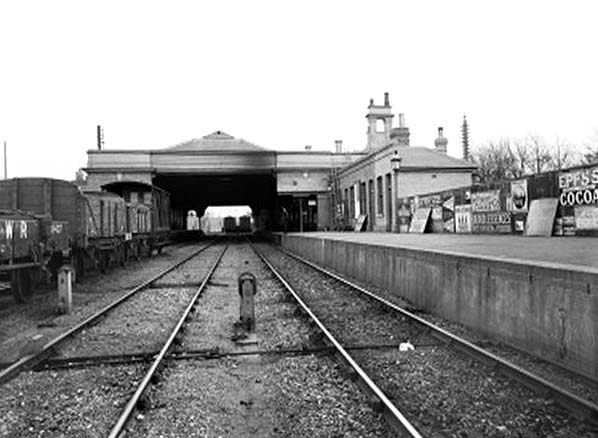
(30, 246)
(95, 224)
(107, 234)
(245, 224)
(230, 224)
(148, 215)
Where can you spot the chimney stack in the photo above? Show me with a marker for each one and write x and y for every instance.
(400, 135)
(386, 100)
(441, 142)
(338, 146)
(308, 147)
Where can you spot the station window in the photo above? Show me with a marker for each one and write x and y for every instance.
(380, 194)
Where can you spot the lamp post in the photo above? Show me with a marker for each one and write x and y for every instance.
(395, 165)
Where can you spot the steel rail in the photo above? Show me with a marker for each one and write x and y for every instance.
(396, 419)
(575, 404)
(129, 408)
(47, 349)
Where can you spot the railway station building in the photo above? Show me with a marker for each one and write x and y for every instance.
(304, 190)
(391, 169)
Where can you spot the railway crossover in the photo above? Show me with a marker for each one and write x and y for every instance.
(286, 384)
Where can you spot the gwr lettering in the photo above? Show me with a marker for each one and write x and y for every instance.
(8, 226)
(23, 230)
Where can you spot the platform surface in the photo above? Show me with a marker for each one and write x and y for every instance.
(577, 253)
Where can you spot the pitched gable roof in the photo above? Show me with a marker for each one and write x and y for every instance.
(419, 157)
(217, 141)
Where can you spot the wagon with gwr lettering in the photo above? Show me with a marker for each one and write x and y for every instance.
(30, 246)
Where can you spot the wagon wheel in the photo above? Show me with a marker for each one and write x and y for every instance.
(78, 267)
(122, 255)
(103, 261)
(21, 285)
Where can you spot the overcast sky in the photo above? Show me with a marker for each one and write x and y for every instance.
(283, 75)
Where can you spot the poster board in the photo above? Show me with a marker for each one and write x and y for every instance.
(463, 218)
(360, 222)
(519, 197)
(485, 201)
(540, 218)
(586, 217)
(420, 220)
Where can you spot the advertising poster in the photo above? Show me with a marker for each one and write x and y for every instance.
(463, 218)
(442, 214)
(578, 187)
(404, 215)
(519, 196)
(448, 214)
(586, 217)
(487, 215)
(540, 220)
(485, 201)
(420, 220)
(491, 222)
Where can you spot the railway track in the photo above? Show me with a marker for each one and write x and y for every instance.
(338, 306)
(49, 348)
(287, 385)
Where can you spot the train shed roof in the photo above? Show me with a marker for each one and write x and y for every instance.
(217, 141)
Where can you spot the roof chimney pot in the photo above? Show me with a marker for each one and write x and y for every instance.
(386, 100)
(338, 146)
(441, 142)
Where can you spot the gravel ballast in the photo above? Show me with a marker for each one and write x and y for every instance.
(432, 379)
(578, 385)
(282, 397)
(71, 403)
(20, 323)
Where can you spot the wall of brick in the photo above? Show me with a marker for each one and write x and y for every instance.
(418, 183)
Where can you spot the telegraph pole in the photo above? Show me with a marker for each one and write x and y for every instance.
(100, 134)
(5, 165)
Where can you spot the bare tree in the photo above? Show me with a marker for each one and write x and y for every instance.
(590, 156)
(496, 161)
(514, 158)
(541, 155)
(524, 157)
(563, 155)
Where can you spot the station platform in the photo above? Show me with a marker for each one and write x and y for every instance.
(533, 293)
(573, 253)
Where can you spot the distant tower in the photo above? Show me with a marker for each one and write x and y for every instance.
(441, 142)
(377, 140)
(465, 133)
